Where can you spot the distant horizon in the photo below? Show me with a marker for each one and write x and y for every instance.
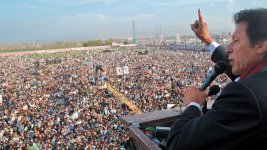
(46, 21)
(84, 40)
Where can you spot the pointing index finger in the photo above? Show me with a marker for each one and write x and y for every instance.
(200, 17)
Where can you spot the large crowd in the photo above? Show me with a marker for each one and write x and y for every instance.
(56, 106)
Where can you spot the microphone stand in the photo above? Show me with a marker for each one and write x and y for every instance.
(204, 108)
(219, 68)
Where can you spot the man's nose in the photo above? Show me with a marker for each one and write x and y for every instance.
(228, 48)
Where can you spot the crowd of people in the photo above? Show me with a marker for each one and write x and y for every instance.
(56, 106)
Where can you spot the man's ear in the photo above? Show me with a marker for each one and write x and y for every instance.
(262, 47)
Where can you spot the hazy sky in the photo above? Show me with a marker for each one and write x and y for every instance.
(23, 21)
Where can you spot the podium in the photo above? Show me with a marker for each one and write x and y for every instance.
(138, 123)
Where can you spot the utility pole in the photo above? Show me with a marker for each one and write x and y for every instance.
(134, 33)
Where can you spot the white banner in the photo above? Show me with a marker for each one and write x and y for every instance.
(122, 70)
(125, 70)
(119, 70)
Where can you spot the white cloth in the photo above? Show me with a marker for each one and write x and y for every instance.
(213, 45)
(194, 104)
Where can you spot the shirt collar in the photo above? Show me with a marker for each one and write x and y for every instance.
(253, 69)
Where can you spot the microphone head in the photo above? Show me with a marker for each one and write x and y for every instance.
(213, 90)
(220, 67)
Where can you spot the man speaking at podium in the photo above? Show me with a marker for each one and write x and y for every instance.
(238, 118)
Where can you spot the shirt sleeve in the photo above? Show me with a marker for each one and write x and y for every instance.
(213, 45)
(195, 104)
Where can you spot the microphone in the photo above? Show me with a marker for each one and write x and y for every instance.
(219, 68)
(213, 90)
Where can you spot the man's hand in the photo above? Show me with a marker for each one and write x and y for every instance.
(193, 94)
(200, 28)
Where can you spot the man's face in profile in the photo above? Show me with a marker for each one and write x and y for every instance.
(241, 53)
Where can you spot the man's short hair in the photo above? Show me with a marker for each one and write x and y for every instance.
(256, 20)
